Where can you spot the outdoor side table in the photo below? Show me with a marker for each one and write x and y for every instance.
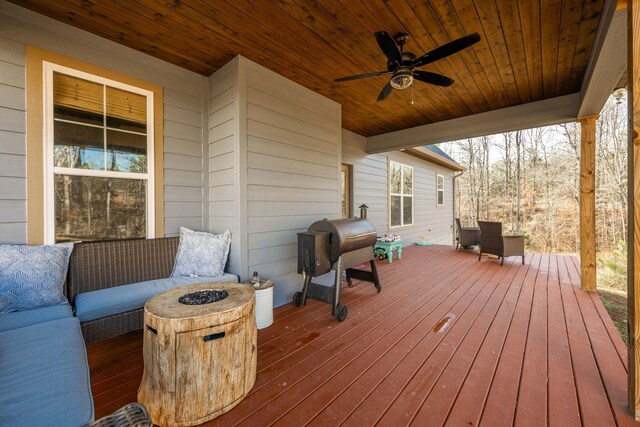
(513, 245)
(390, 247)
(199, 360)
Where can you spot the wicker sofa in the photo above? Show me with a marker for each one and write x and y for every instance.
(109, 282)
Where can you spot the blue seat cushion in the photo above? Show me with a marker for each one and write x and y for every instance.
(45, 376)
(20, 319)
(120, 299)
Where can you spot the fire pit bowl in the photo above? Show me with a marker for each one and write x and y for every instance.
(203, 297)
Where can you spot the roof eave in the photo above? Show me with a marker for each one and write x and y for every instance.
(425, 154)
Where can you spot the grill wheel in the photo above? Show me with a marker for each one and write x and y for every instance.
(341, 312)
(297, 299)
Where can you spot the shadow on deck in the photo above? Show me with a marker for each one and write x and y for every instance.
(449, 340)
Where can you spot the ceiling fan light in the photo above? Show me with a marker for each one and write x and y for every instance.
(402, 80)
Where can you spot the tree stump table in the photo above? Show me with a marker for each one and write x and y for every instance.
(199, 360)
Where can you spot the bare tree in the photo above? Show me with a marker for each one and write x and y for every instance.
(532, 182)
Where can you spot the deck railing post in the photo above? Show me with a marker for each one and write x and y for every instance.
(588, 202)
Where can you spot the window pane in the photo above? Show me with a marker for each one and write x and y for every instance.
(395, 211)
(92, 208)
(407, 184)
(440, 182)
(126, 110)
(395, 178)
(77, 100)
(440, 197)
(407, 210)
(127, 152)
(78, 146)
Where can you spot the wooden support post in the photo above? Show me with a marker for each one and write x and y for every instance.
(633, 249)
(588, 202)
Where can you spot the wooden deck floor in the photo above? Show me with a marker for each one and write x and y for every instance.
(449, 341)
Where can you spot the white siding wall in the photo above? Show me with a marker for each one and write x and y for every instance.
(370, 186)
(293, 169)
(184, 127)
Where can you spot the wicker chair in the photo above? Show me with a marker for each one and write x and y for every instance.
(493, 242)
(131, 415)
(466, 236)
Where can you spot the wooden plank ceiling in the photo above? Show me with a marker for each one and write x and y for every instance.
(530, 49)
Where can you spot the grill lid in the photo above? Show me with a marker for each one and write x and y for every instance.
(346, 235)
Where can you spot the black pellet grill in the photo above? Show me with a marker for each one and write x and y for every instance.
(338, 245)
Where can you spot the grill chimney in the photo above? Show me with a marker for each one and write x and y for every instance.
(363, 210)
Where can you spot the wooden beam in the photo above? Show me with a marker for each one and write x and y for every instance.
(607, 62)
(551, 111)
(588, 202)
(633, 267)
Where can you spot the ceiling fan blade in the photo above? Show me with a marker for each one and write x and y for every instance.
(447, 49)
(432, 78)
(388, 47)
(361, 76)
(385, 91)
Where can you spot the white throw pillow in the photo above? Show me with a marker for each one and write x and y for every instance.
(201, 254)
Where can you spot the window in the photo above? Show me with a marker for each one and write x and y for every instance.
(99, 158)
(400, 195)
(439, 190)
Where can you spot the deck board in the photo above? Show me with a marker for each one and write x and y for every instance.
(468, 404)
(487, 332)
(531, 408)
(594, 405)
(563, 402)
(526, 346)
(500, 405)
(377, 360)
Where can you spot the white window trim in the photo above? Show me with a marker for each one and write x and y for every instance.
(438, 190)
(50, 170)
(413, 192)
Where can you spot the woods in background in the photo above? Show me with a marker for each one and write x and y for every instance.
(529, 180)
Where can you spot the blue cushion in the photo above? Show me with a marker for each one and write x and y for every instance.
(201, 253)
(32, 276)
(20, 319)
(119, 299)
(45, 376)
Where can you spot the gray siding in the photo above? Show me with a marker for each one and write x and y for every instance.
(183, 162)
(13, 182)
(274, 161)
(370, 186)
(183, 115)
(369, 179)
(293, 164)
(223, 137)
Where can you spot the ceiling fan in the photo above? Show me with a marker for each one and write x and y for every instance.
(403, 64)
